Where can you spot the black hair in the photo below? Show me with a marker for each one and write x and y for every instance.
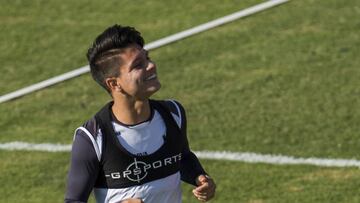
(103, 55)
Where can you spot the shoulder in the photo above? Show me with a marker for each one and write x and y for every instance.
(174, 106)
(89, 134)
(90, 127)
(177, 111)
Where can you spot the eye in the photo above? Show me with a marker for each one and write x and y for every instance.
(140, 65)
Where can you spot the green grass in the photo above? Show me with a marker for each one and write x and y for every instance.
(33, 176)
(258, 183)
(285, 81)
(41, 177)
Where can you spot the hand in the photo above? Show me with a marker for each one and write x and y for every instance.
(132, 201)
(206, 188)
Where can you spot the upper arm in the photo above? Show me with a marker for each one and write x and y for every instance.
(190, 164)
(84, 169)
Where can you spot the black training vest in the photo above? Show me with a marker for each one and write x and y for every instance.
(120, 169)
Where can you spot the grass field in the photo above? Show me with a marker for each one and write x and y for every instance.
(285, 81)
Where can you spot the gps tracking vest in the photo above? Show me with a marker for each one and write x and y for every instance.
(121, 169)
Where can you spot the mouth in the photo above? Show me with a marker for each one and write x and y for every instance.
(151, 77)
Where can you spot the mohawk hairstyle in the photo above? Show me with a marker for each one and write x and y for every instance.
(103, 55)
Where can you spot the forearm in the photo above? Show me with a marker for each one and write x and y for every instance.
(190, 168)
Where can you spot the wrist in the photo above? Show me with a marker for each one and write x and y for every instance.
(202, 178)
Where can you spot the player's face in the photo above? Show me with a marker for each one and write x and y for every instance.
(138, 77)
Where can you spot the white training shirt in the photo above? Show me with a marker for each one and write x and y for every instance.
(142, 139)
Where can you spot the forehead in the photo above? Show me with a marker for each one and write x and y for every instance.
(131, 52)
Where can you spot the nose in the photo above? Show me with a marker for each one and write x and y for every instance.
(151, 66)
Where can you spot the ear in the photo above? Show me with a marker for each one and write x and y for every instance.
(113, 85)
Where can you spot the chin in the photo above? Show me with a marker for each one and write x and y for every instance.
(150, 91)
(154, 89)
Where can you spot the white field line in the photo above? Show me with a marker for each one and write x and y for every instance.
(213, 155)
(214, 23)
(152, 45)
(43, 147)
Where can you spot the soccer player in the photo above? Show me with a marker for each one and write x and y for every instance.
(134, 149)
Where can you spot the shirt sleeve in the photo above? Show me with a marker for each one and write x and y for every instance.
(83, 171)
(191, 167)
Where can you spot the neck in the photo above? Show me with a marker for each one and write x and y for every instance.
(131, 112)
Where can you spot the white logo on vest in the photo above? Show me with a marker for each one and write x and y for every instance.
(138, 170)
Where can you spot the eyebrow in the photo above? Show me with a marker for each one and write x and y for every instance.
(138, 57)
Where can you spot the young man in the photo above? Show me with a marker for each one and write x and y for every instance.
(133, 149)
